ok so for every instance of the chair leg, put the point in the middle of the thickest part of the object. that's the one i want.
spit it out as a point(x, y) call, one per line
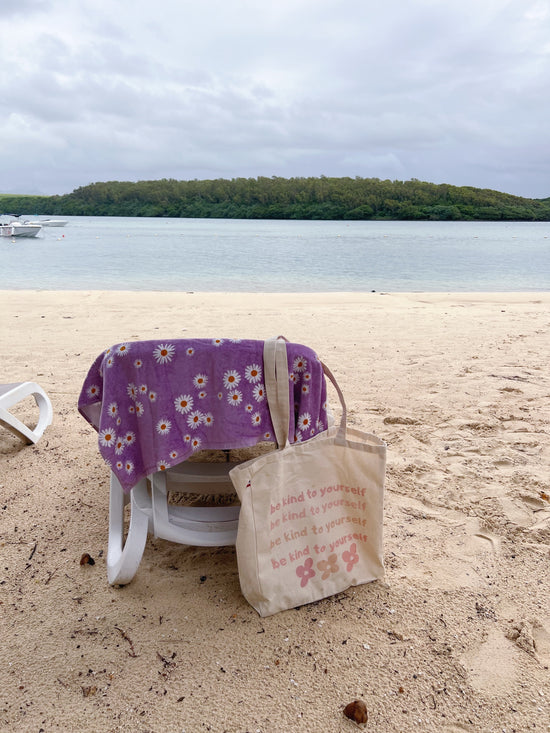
point(14, 395)
point(123, 559)
point(159, 501)
point(16, 427)
point(45, 411)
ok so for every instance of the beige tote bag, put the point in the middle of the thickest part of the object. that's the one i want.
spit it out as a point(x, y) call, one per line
point(311, 518)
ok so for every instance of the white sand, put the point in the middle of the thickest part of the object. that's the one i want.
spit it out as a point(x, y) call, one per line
point(456, 639)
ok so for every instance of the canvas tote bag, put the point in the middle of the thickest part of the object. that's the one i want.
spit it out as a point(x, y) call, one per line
point(311, 517)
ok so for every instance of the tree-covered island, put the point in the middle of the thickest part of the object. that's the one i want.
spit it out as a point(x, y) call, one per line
point(284, 198)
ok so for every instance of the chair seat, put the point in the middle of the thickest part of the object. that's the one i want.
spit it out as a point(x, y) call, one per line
point(201, 477)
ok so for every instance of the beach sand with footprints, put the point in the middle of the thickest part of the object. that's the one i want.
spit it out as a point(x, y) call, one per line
point(455, 638)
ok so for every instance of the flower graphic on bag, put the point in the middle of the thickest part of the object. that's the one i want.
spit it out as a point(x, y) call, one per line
point(328, 566)
point(351, 557)
point(305, 572)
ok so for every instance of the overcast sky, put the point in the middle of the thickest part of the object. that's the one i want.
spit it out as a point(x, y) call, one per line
point(448, 91)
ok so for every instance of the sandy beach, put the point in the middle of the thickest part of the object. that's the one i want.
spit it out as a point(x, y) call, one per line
point(457, 636)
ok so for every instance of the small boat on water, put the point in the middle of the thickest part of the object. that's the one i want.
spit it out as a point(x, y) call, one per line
point(19, 229)
point(50, 222)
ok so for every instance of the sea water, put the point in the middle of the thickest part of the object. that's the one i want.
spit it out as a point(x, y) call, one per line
point(124, 253)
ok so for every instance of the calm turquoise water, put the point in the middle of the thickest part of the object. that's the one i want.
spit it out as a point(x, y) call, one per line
point(279, 256)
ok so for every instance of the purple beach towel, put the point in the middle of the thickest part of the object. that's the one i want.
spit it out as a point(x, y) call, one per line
point(155, 403)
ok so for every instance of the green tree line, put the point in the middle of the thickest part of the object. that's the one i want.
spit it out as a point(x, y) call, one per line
point(284, 198)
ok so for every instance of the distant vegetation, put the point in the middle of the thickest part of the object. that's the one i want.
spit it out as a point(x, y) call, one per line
point(284, 198)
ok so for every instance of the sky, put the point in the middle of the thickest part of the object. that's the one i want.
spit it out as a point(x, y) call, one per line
point(446, 91)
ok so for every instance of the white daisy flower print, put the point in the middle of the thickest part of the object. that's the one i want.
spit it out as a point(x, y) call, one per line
point(200, 381)
point(208, 419)
point(113, 409)
point(304, 421)
point(231, 379)
point(256, 419)
point(107, 438)
point(292, 377)
point(190, 351)
point(195, 419)
point(132, 391)
point(195, 443)
point(305, 388)
point(174, 455)
point(217, 342)
point(183, 403)
point(138, 363)
point(93, 391)
point(152, 396)
point(139, 409)
point(129, 466)
point(235, 397)
point(253, 373)
point(130, 438)
point(299, 364)
point(259, 393)
point(249, 408)
point(110, 361)
point(267, 435)
point(164, 353)
point(187, 439)
point(143, 389)
point(119, 465)
point(202, 395)
point(307, 377)
point(122, 349)
point(163, 427)
point(163, 465)
point(119, 421)
point(120, 445)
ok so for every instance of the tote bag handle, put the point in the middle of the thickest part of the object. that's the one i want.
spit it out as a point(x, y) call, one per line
point(277, 390)
point(276, 387)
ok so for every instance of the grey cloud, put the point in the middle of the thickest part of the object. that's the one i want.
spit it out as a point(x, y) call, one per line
point(453, 92)
point(21, 7)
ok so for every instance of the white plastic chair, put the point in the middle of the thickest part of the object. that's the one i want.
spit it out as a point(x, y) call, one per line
point(10, 395)
point(146, 509)
point(150, 511)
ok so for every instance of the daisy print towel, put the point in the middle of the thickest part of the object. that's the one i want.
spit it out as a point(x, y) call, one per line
point(154, 403)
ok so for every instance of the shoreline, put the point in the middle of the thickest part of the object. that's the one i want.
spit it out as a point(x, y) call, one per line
point(457, 636)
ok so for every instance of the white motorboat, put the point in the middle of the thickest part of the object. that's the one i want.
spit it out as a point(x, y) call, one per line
point(50, 222)
point(19, 229)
